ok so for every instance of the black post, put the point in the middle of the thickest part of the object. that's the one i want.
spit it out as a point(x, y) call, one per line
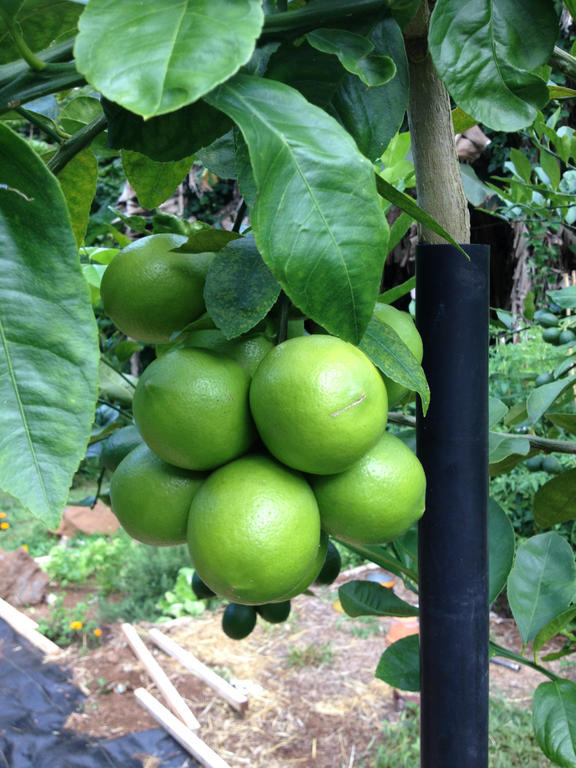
point(452, 306)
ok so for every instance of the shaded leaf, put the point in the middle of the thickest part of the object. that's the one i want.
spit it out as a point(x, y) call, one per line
point(485, 51)
point(399, 665)
point(555, 501)
point(554, 717)
point(240, 290)
point(168, 137)
point(196, 46)
point(78, 181)
point(501, 445)
point(564, 297)
point(207, 241)
point(566, 421)
point(48, 337)
point(367, 598)
point(153, 182)
point(501, 543)
point(41, 22)
point(496, 411)
point(115, 386)
point(389, 297)
point(219, 157)
point(461, 121)
point(542, 582)
point(391, 355)
point(303, 187)
point(355, 53)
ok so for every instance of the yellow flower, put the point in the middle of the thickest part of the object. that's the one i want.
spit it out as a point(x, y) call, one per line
point(2, 515)
point(25, 547)
point(75, 625)
point(98, 632)
point(4, 526)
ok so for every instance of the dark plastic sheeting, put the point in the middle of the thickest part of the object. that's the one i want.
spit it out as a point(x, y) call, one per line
point(35, 701)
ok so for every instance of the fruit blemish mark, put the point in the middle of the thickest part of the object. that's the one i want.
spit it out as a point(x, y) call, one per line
point(350, 405)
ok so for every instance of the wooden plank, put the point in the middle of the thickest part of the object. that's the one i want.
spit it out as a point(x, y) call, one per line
point(160, 678)
point(26, 627)
point(184, 736)
point(232, 695)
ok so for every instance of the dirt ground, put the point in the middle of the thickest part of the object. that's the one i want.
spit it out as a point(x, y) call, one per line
point(313, 697)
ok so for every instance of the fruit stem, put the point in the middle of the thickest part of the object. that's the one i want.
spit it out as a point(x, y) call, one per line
point(25, 52)
point(75, 144)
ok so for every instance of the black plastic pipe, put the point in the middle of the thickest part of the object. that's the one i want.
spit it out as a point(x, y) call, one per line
point(452, 310)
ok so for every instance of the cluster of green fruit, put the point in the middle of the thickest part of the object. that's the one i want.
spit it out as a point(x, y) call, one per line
point(253, 461)
point(552, 331)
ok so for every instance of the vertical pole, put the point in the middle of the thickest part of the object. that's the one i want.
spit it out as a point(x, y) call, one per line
point(452, 304)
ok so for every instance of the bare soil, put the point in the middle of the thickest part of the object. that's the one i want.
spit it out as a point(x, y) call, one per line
point(313, 697)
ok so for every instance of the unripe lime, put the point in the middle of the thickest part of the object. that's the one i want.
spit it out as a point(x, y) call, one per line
point(238, 620)
point(274, 613)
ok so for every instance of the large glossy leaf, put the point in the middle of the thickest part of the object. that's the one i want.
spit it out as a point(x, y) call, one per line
point(541, 398)
point(367, 598)
point(555, 501)
point(153, 182)
point(371, 115)
point(41, 22)
point(48, 338)
point(240, 289)
point(167, 137)
point(163, 56)
point(542, 582)
point(318, 221)
point(554, 716)
point(78, 180)
point(391, 355)
point(399, 665)
point(486, 50)
point(501, 544)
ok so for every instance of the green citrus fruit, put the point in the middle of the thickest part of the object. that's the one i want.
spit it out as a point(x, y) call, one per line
point(375, 500)
point(274, 613)
point(238, 620)
point(546, 318)
point(404, 325)
point(318, 402)
point(150, 292)
point(551, 335)
point(151, 499)
point(201, 590)
point(254, 530)
point(567, 337)
point(119, 445)
point(191, 407)
point(313, 570)
point(552, 465)
point(544, 378)
point(534, 463)
point(331, 567)
point(247, 350)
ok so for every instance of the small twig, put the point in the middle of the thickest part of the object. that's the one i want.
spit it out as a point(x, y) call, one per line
point(241, 212)
point(75, 144)
point(115, 408)
point(98, 487)
point(42, 124)
point(123, 375)
point(284, 306)
point(16, 34)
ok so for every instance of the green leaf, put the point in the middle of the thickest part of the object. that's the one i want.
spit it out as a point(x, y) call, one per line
point(485, 51)
point(552, 629)
point(219, 157)
point(367, 598)
point(389, 297)
point(410, 206)
point(316, 208)
point(475, 189)
point(502, 445)
point(240, 290)
point(207, 241)
point(167, 137)
point(153, 182)
point(48, 337)
point(522, 165)
point(529, 306)
point(399, 665)
point(371, 115)
point(551, 168)
point(461, 121)
point(355, 53)
point(391, 355)
point(41, 22)
point(541, 398)
point(78, 181)
point(501, 542)
point(555, 501)
point(399, 228)
point(196, 45)
point(566, 421)
point(542, 582)
point(554, 717)
point(496, 411)
point(564, 297)
point(115, 386)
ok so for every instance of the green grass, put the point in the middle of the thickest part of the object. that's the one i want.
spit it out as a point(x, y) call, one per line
point(311, 656)
point(512, 743)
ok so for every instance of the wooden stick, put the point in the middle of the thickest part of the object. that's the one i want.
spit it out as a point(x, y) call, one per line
point(184, 736)
point(26, 627)
point(168, 691)
point(232, 695)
